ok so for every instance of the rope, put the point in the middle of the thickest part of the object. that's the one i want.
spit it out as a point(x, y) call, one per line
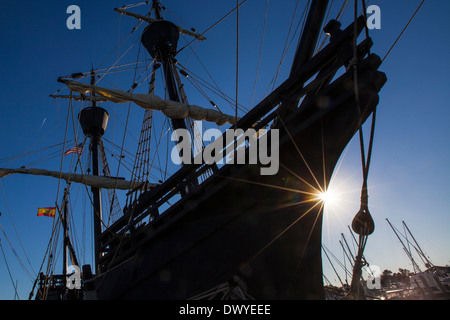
point(326, 35)
point(237, 59)
point(27, 153)
point(15, 228)
point(60, 172)
point(7, 267)
point(286, 45)
point(363, 213)
point(332, 265)
point(197, 81)
point(215, 24)
point(141, 172)
point(365, 162)
point(260, 52)
point(404, 29)
point(16, 255)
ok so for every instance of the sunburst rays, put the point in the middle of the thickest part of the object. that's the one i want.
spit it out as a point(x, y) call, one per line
point(309, 201)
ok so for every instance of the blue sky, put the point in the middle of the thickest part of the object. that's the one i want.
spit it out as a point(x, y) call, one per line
point(409, 174)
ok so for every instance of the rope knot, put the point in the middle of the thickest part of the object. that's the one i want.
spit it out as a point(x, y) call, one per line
point(364, 197)
point(353, 62)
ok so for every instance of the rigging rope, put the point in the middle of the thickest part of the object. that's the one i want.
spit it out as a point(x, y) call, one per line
point(286, 45)
point(16, 255)
point(27, 153)
point(114, 205)
point(215, 24)
point(197, 81)
point(362, 223)
point(260, 51)
point(237, 60)
point(7, 267)
point(15, 228)
point(404, 29)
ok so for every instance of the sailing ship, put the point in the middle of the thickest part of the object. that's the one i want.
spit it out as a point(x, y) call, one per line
point(210, 229)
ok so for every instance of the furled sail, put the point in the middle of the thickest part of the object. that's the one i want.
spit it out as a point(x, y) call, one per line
point(90, 180)
point(171, 109)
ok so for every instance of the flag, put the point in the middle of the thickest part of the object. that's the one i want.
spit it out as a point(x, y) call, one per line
point(48, 212)
point(77, 149)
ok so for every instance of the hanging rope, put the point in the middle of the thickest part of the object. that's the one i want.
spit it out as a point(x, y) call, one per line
point(362, 223)
point(237, 59)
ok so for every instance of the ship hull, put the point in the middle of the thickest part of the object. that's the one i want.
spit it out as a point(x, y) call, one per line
point(263, 231)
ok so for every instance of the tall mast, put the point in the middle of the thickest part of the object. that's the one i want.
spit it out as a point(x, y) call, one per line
point(96, 192)
point(160, 38)
point(93, 121)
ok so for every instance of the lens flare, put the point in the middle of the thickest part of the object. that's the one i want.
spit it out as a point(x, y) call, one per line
point(328, 197)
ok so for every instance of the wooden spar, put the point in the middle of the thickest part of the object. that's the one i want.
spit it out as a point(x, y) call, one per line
point(311, 32)
point(307, 43)
point(150, 20)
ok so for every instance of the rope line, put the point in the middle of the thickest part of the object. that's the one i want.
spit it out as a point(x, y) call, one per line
point(237, 60)
point(215, 24)
point(404, 29)
point(260, 52)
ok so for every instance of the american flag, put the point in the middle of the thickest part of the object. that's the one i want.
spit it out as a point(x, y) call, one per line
point(77, 149)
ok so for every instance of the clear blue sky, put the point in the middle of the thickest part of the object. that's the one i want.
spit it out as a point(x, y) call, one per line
point(409, 174)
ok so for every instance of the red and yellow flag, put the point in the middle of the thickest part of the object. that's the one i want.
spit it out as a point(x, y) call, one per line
point(48, 212)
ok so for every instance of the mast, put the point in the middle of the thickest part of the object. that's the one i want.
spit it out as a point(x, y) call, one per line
point(93, 121)
point(332, 265)
point(157, 8)
point(160, 38)
point(419, 249)
point(348, 248)
point(415, 266)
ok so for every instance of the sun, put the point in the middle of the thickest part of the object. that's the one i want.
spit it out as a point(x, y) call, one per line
point(327, 197)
